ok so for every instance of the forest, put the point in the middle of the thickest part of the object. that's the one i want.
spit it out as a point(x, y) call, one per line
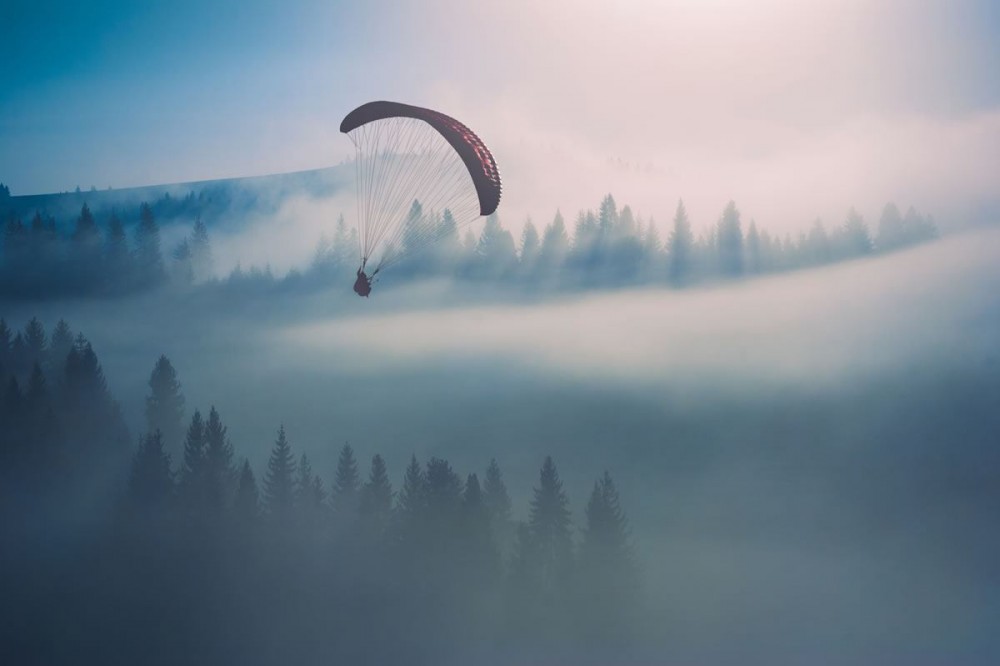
point(610, 247)
point(115, 551)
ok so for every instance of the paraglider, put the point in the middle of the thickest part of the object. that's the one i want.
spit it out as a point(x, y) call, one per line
point(405, 155)
point(363, 285)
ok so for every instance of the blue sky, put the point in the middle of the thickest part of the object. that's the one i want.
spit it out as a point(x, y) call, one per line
point(717, 98)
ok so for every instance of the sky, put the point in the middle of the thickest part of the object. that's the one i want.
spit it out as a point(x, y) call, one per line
point(794, 110)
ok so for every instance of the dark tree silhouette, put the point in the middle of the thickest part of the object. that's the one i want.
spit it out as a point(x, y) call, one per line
point(165, 404)
point(346, 483)
point(193, 473)
point(219, 471)
point(607, 578)
point(151, 484)
point(279, 484)
point(376, 498)
point(497, 503)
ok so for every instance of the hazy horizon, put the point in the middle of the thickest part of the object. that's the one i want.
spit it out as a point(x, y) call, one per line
point(794, 113)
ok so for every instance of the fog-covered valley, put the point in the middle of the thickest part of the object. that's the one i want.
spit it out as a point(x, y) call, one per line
point(808, 461)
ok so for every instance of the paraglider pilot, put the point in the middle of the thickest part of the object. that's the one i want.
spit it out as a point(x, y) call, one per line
point(363, 285)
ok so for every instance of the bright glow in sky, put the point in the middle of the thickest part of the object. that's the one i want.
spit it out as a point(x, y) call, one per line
point(795, 110)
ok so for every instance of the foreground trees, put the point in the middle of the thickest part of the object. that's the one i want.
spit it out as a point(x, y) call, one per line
point(165, 558)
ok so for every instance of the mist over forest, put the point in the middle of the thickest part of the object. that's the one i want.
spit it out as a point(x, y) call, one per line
point(409, 332)
point(793, 464)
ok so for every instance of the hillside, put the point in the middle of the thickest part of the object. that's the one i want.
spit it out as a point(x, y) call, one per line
point(208, 199)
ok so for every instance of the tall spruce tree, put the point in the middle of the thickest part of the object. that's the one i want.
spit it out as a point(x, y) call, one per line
point(555, 245)
point(530, 248)
point(376, 498)
point(411, 502)
point(59, 345)
point(35, 342)
point(497, 503)
point(309, 493)
point(857, 238)
point(165, 404)
point(193, 475)
point(219, 471)
point(346, 483)
point(607, 576)
point(279, 483)
point(680, 248)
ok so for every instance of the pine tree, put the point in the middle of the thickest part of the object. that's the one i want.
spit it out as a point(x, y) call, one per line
point(820, 251)
point(542, 566)
point(165, 404)
point(607, 219)
point(150, 482)
point(530, 248)
point(345, 246)
point(652, 251)
point(85, 390)
point(39, 422)
point(412, 499)
point(193, 472)
point(754, 262)
point(608, 580)
point(148, 257)
point(555, 244)
point(443, 497)
point(549, 523)
point(730, 241)
point(246, 506)
point(497, 503)
point(680, 248)
point(34, 341)
point(857, 239)
point(376, 498)
point(279, 483)
point(890, 228)
point(303, 482)
point(479, 551)
point(87, 246)
point(496, 254)
point(344, 495)
point(218, 463)
point(202, 261)
point(59, 345)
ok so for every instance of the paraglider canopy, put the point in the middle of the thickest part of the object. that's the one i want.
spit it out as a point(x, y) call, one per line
point(473, 152)
point(421, 175)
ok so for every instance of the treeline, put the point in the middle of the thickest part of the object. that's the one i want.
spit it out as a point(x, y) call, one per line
point(613, 247)
point(608, 247)
point(200, 558)
point(37, 262)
